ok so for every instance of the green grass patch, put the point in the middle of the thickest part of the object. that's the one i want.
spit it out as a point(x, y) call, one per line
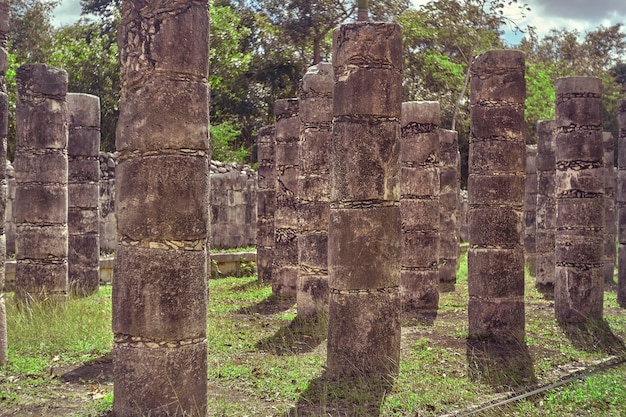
point(263, 360)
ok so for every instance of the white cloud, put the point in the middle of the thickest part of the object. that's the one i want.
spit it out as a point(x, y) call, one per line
point(66, 13)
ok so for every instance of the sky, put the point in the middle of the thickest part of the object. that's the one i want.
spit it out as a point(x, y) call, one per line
point(583, 15)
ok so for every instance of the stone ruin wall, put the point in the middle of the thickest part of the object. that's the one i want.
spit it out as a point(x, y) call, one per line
point(233, 205)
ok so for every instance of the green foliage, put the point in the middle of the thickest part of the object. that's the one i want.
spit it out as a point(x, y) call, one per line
point(223, 137)
point(540, 96)
point(90, 58)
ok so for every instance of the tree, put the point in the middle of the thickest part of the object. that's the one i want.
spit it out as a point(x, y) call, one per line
point(565, 53)
point(91, 60)
point(441, 39)
point(30, 31)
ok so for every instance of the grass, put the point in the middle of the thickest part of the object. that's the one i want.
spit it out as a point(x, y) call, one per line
point(264, 361)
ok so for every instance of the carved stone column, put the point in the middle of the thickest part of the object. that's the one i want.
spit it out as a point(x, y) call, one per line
point(266, 203)
point(316, 116)
point(419, 209)
point(40, 208)
point(364, 245)
point(579, 249)
point(285, 270)
point(162, 210)
point(83, 193)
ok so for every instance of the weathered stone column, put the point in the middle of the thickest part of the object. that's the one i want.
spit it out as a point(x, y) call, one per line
point(419, 209)
point(266, 203)
point(40, 209)
point(610, 217)
point(162, 209)
point(450, 204)
point(620, 197)
point(546, 207)
point(4, 112)
point(316, 117)
point(285, 270)
point(364, 237)
point(579, 185)
point(496, 198)
point(530, 210)
point(83, 193)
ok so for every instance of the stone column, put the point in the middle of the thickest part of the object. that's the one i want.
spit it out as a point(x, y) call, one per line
point(419, 209)
point(620, 197)
point(610, 217)
point(364, 236)
point(285, 270)
point(496, 198)
point(266, 203)
point(162, 209)
point(450, 203)
point(316, 117)
point(83, 193)
point(530, 210)
point(4, 112)
point(579, 185)
point(546, 207)
point(40, 209)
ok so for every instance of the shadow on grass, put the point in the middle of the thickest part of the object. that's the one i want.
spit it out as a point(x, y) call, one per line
point(300, 336)
point(271, 305)
point(331, 396)
point(500, 365)
point(594, 337)
point(98, 371)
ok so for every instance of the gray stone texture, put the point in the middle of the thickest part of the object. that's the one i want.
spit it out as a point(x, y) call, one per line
point(162, 209)
point(546, 206)
point(285, 269)
point(496, 198)
point(419, 208)
point(83, 193)
point(620, 197)
point(610, 213)
point(450, 208)
point(316, 116)
point(41, 196)
point(530, 210)
point(364, 238)
point(579, 187)
point(266, 202)
point(233, 205)
point(4, 112)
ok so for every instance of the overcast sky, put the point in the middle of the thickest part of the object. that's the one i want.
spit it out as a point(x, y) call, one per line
point(583, 15)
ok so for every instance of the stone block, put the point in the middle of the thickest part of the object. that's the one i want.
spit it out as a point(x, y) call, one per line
point(497, 227)
point(49, 167)
point(505, 189)
point(364, 248)
point(496, 273)
point(499, 319)
point(365, 338)
point(365, 169)
point(163, 198)
point(36, 203)
point(578, 294)
point(148, 291)
point(170, 370)
point(489, 157)
point(151, 118)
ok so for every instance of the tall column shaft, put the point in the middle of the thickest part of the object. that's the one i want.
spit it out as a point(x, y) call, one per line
point(579, 185)
point(620, 197)
point(496, 198)
point(546, 206)
point(40, 208)
point(83, 193)
point(530, 210)
point(450, 213)
point(4, 113)
point(285, 270)
point(266, 202)
point(419, 208)
point(364, 237)
point(162, 210)
point(316, 116)
point(610, 216)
